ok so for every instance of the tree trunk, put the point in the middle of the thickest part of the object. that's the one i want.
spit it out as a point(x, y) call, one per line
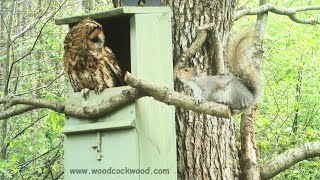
point(88, 5)
point(6, 80)
point(2, 43)
point(249, 151)
point(206, 145)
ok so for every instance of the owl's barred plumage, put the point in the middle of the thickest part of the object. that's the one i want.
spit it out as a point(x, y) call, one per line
point(88, 64)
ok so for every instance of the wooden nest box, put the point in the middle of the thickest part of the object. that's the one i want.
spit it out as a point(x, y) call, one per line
point(140, 135)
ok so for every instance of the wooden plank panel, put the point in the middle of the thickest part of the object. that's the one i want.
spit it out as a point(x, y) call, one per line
point(123, 118)
point(119, 149)
point(152, 61)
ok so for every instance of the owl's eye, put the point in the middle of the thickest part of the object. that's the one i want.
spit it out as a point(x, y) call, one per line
point(95, 40)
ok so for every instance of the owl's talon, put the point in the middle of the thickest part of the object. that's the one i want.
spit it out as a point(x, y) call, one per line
point(98, 90)
point(85, 93)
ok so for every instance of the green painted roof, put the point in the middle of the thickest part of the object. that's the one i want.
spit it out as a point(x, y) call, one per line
point(122, 11)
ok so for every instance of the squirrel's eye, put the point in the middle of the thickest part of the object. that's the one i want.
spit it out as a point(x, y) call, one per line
point(95, 40)
point(186, 70)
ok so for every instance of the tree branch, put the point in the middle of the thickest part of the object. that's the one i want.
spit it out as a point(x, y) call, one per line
point(25, 128)
point(142, 88)
point(290, 12)
point(26, 163)
point(86, 112)
point(16, 111)
point(202, 34)
point(249, 151)
point(195, 46)
point(218, 50)
point(41, 87)
point(175, 98)
point(287, 159)
point(31, 25)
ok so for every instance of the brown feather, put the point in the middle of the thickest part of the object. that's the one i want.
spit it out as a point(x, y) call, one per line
point(88, 63)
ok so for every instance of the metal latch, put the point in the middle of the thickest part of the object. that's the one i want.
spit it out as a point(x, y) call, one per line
point(97, 146)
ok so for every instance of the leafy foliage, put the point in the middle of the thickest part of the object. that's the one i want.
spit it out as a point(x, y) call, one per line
point(34, 139)
point(290, 105)
point(289, 109)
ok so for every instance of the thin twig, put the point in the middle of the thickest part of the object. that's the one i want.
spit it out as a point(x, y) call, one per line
point(290, 12)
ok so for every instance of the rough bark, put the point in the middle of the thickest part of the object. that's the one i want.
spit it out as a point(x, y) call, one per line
point(206, 146)
point(288, 158)
point(249, 151)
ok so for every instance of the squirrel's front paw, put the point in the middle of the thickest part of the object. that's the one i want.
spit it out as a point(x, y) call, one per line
point(197, 101)
point(221, 102)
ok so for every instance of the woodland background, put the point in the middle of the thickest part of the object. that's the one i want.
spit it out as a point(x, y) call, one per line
point(31, 48)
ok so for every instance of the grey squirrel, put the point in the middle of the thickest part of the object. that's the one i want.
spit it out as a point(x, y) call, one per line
point(242, 87)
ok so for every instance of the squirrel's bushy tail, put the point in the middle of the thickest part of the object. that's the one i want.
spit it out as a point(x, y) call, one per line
point(244, 54)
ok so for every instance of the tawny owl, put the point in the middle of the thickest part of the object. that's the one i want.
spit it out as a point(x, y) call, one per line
point(88, 63)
